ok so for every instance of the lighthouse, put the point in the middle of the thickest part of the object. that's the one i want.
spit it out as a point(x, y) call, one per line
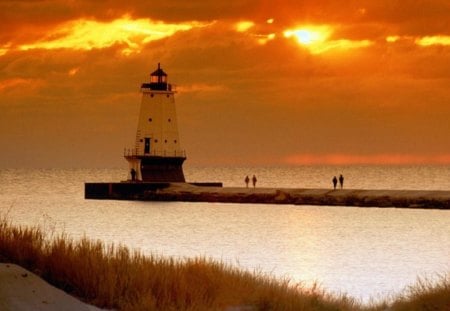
point(157, 155)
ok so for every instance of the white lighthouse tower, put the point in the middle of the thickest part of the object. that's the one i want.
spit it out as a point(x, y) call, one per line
point(157, 155)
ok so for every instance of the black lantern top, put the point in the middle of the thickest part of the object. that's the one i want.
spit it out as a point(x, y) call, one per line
point(158, 81)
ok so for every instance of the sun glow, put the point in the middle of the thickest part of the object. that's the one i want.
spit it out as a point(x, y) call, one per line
point(85, 34)
point(310, 34)
point(316, 39)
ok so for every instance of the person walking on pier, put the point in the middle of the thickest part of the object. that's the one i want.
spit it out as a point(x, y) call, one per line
point(334, 182)
point(254, 181)
point(341, 181)
point(247, 180)
point(133, 174)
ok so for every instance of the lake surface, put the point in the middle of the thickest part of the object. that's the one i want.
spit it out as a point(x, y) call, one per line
point(365, 252)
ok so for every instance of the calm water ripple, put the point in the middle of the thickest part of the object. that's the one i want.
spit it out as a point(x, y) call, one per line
point(361, 251)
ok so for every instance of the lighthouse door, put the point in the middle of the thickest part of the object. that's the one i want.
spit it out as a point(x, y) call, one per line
point(147, 145)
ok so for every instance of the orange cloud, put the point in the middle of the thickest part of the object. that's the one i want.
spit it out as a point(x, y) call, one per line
point(239, 99)
point(200, 87)
point(425, 41)
point(73, 71)
point(392, 39)
point(261, 35)
point(83, 34)
point(15, 83)
point(244, 26)
point(433, 40)
point(4, 49)
point(263, 39)
point(374, 159)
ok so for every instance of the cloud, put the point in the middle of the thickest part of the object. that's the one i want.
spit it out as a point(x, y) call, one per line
point(372, 159)
point(433, 40)
point(244, 96)
point(86, 34)
point(12, 83)
point(200, 87)
point(17, 85)
point(244, 26)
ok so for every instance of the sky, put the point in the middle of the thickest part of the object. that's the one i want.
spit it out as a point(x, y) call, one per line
point(284, 82)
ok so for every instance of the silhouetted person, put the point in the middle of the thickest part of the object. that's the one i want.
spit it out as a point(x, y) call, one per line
point(247, 180)
point(254, 181)
point(341, 181)
point(133, 174)
point(334, 182)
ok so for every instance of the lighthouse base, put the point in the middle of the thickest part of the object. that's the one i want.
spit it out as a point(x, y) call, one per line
point(159, 169)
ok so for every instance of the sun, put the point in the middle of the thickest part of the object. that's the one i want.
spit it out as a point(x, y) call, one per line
point(306, 37)
point(309, 35)
point(317, 39)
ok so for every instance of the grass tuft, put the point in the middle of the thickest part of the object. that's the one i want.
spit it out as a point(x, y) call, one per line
point(115, 277)
point(425, 295)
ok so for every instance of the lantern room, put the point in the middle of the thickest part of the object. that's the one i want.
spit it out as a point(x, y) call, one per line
point(158, 81)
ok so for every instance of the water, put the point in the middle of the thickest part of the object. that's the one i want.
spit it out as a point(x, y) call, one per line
point(360, 251)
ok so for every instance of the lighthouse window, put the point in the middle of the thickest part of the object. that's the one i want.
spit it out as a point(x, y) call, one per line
point(165, 141)
point(147, 145)
point(175, 141)
point(150, 120)
point(169, 120)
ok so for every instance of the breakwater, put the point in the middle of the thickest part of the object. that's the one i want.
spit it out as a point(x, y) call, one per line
point(213, 192)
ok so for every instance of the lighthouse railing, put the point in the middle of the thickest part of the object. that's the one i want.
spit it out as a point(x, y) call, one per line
point(155, 153)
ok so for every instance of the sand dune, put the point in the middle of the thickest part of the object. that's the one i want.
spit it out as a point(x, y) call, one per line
point(22, 290)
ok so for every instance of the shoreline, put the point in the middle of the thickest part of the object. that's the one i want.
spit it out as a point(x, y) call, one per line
point(185, 192)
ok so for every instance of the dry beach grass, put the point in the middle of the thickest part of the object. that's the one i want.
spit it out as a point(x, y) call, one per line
point(115, 277)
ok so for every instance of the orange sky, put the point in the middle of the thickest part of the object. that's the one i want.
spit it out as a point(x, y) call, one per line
point(259, 82)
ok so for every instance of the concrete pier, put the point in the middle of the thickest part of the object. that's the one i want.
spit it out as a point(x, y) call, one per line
point(213, 192)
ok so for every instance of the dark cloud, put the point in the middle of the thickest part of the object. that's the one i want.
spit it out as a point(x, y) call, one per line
point(422, 16)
